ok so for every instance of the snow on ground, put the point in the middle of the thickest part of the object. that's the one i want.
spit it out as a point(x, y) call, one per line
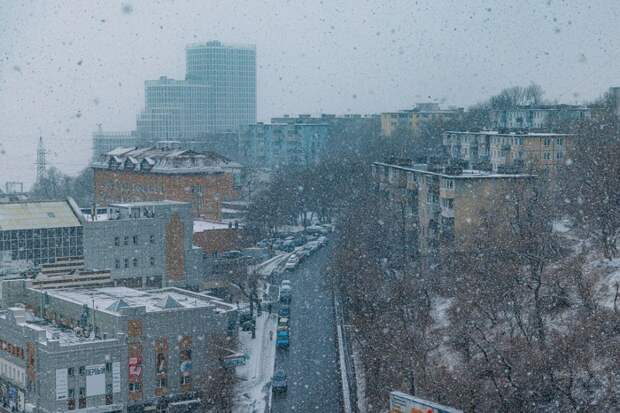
point(202, 225)
point(360, 378)
point(254, 388)
point(606, 285)
point(439, 311)
point(265, 268)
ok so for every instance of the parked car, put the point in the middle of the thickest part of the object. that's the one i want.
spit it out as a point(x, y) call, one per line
point(279, 383)
point(323, 240)
point(284, 283)
point(292, 262)
point(284, 311)
point(282, 321)
point(282, 339)
point(232, 254)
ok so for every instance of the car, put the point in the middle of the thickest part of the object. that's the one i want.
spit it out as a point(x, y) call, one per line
point(232, 254)
point(285, 283)
point(283, 321)
point(292, 262)
point(322, 240)
point(284, 311)
point(279, 383)
point(282, 339)
point(285, 295)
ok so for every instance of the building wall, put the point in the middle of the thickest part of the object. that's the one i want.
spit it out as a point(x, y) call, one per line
point(219, 240)
point(204, 192)
point(143, 245)
point(274, 145)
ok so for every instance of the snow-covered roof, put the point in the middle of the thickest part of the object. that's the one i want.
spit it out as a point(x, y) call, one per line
point(36, 215)
point(113, 299)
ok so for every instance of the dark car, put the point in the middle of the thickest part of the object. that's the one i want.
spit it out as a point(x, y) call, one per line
point(279, 384)
point(284, 311)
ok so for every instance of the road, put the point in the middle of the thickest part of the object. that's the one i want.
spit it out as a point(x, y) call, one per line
point(311, 362)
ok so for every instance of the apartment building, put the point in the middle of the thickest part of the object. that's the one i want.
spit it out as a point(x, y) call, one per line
point(497, 151)
point(444, 203)
point(539, 117)
point(167, 172)
point(106, 350)
point(413, 118)
point(282, 144)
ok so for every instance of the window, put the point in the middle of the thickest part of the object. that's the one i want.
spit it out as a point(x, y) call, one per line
point(117, 241)
point(135, 240)
point(117, 263)
point(152, 239)
point(135, 262)
point(71, 393)
point(82, 372)
point(152, 261)
point(547, 141)
point(108, 367)
point(559, 155)
point(70, 370)
point(126, 241)
point(547, 156)
point(134, 387)
point(82, 391)
point(186, 379)
point(126, 262)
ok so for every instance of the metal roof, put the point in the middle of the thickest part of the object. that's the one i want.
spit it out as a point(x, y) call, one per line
point(36, 215)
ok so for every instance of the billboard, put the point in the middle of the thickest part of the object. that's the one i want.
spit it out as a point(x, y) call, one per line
point(61, 384)
point(405, 403)
point(95, 380)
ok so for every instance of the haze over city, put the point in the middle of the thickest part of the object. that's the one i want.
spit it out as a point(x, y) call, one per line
point(332, 57)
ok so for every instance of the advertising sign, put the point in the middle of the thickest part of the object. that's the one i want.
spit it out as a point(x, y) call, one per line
point(116, 377)
point(405, 403)
point(61, 384)
point(95, 380)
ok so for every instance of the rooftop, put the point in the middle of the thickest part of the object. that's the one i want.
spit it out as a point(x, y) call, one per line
point(512, 134)
point(112, 299)
point(65, 336)
point(37, 215)
point(465, 174)
point(165, 157)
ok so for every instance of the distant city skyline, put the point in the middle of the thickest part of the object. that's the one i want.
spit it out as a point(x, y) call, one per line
point(66, 67)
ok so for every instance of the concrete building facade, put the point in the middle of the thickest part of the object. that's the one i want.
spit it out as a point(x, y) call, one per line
point(143, 244)
point(411, 119)
point(444, 203)
point(539, 118)
point(284, 144)
point(515, 149)
point(106, 350)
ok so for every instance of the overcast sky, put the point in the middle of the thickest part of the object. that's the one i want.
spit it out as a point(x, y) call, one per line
point(67, 66)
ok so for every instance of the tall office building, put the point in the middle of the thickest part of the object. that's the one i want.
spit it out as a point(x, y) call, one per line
point(230, 72)
point(174, 110)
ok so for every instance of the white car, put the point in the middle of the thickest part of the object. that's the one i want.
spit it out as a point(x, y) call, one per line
point(292, 262)
point(286, 284)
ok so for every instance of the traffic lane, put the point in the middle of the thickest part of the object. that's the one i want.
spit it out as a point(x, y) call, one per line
point(311, 362)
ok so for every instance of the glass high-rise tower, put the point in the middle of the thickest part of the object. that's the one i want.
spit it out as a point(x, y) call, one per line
point(230, 72)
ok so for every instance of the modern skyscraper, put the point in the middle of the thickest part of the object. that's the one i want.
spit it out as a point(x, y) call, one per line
point(230, 72)
point(174, 110)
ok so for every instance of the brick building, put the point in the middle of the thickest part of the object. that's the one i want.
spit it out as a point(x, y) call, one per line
point(166, 172)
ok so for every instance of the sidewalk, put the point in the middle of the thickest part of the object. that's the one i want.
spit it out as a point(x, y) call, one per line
point(253, 389)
